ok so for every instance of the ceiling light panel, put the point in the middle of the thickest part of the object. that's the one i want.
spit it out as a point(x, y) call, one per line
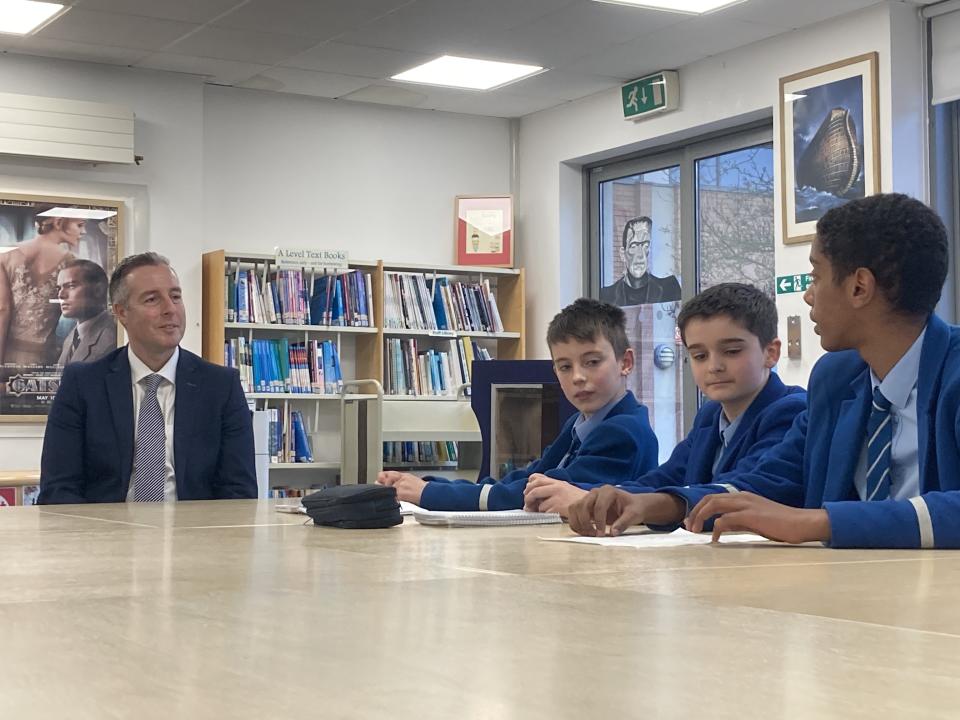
point(467, 73)
point(20, 17)
point(689, 7)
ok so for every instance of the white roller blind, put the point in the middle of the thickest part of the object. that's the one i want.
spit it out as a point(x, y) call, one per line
point(945, 70)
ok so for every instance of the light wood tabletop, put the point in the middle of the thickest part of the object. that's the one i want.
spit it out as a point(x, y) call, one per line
point(231, 609)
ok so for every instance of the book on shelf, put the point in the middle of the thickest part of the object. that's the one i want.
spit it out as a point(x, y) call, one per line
point(411, 371)
point(282, 366)
point(414, 302)
point(288, 439)
point(438, 452)
point(265, 296)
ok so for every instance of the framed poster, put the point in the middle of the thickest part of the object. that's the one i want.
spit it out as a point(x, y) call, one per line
point(484, 230)
point(829, 141)
point(56, 256)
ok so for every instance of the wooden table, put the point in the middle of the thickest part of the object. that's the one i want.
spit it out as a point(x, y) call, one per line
point(232, 610)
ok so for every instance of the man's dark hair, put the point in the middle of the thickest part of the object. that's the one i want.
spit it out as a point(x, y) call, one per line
point(899, 239)
point(749, 307)
point(119, 295)
point(630, 228)
point(94, 278)
point(586, 320)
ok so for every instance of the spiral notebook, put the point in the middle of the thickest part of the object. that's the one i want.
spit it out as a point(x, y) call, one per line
point(486, 518)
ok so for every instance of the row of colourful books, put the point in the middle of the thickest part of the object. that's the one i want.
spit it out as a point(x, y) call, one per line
point(410, 371)
point(281, 366)
point(414, 302)
point(284, 297)
point(288, 440)
point(419, 453)
point(343, 300)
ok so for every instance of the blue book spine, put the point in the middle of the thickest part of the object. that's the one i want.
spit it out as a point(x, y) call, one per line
point(301, 445)
point(337, 303)
point(329, 371)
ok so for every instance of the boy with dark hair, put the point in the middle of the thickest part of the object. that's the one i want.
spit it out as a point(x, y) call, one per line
point(730, 332)
point(610, 438)
point(875, 459)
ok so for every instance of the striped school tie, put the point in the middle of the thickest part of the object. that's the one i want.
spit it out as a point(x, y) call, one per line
point(150, 459)
point(879, 445)
point(572, 452)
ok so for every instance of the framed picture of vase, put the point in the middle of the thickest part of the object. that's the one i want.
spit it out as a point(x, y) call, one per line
point(483, 230)
point(829, 141)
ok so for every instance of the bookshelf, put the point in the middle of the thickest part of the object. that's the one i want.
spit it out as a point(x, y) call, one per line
point(439, 418)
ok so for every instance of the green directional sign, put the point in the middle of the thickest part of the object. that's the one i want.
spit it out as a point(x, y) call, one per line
point(651, 94)
point(793, 283)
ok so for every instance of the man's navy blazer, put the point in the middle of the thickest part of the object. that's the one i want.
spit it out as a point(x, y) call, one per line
point(88, 446)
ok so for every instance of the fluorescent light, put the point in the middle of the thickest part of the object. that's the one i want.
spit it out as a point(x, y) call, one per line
point(792, 97)
point(459, 72)
point(80, 213)
point(691, 7)
point(19, 17)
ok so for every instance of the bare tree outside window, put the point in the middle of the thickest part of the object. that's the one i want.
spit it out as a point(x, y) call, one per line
point(735, 218)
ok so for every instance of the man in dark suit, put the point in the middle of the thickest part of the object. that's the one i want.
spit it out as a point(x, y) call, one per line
point(638, 286)
point(150, 421)
point(82, 291)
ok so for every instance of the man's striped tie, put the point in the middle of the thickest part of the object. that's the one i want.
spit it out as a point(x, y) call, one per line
point(879, 444)
point(149, 463)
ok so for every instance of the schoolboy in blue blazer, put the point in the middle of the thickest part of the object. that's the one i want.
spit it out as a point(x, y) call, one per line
point(875, 459)
point(191, 437)
point(730, 331)
point(610, 438)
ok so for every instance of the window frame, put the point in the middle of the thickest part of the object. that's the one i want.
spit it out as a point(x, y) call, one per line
point(685, 155)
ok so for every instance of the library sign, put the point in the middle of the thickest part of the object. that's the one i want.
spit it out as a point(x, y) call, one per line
point(310, 259)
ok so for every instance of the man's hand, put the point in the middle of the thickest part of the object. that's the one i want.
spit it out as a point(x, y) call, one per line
point(546, 494)
point(746, 512)
point(409, 487)
point(608, 506)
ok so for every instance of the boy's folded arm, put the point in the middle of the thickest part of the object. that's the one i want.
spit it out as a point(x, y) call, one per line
point(772, 469)
point(614, 452)
point(669, 474)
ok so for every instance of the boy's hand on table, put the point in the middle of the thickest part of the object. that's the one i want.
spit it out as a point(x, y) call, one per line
point(747, 512)
point(409, 487)
point(546, 494)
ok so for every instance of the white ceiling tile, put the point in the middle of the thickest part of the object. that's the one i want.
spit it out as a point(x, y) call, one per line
point(305, 82)
point(192, 11)
point(561, 85)
point(674, 47)
point(501, 104)
point(307, 18)
point(450, 26)
point(67, 50)
point(791, 14)
point(240, 46)
point(387, 95)
point(103, 28)
point(221, 72)
point(356, 60)
point(564, 36)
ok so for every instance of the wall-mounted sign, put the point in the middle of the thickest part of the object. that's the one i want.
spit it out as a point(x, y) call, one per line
point(651, 95)
point(310, 259)
point(793, 283)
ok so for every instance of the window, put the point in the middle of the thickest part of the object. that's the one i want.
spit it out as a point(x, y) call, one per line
point(665, 226)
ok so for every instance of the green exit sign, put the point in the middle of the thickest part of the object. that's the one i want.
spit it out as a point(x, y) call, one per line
point(649, 95)
point(793, 283)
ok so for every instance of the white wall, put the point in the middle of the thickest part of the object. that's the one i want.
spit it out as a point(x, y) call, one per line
point(719, 92)
point(377, 180)
point(248, 170)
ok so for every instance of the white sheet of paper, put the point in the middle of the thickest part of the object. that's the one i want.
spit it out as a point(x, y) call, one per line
point(652, 540)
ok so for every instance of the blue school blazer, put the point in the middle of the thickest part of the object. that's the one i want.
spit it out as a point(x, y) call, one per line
point(814, 465)
point(622, 446)
point(764, 424)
